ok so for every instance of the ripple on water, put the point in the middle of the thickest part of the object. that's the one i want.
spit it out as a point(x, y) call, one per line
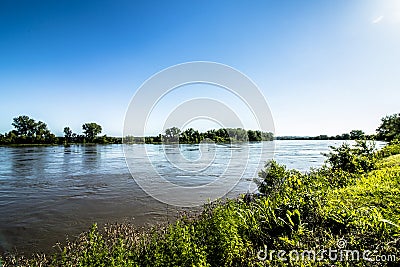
point(49, 192)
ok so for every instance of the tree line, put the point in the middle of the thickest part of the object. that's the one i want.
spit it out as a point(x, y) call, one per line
point(192, 136)
point(353, 135)
point(388, 130)
point(28, 131)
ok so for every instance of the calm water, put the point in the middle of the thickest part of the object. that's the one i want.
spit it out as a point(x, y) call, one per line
point(47, 193)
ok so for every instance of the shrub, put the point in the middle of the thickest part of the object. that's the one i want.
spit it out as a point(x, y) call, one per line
point(393, 148)
point(272, 177)
point(360, 158)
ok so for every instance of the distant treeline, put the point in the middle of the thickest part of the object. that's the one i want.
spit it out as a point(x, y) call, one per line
point(28, 131)
point(353, 135)
point(192, 136)
point(388, 130)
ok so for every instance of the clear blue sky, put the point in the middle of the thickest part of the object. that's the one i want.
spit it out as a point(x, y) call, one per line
point(325, 67)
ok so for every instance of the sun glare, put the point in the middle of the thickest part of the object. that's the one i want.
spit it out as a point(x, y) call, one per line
point(386, 12)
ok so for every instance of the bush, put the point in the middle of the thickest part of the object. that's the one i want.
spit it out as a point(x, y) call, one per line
point(393, 148)
point(272, 177)
point(358, 159)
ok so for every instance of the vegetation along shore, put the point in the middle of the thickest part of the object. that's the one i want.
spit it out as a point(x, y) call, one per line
point(345, 213)
point(27, 131)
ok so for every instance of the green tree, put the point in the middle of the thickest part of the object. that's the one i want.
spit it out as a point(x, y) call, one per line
point(11, 137)
point(24, 126)
point(389, 128)
point(254, 135)
point(67, 134)
point(237, 134)
point(27, 130)
point(190, 136)
point(172, 134)
point(41, 132)
point(267, 136)
point(221, 135)
point(91, 130)
point(357, 135)
point(210, 134)
point(345, 136)
point(241, 135)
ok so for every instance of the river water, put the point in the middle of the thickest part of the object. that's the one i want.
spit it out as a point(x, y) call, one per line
point(50, 192)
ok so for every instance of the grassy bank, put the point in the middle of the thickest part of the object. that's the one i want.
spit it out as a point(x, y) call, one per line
point(349, 207)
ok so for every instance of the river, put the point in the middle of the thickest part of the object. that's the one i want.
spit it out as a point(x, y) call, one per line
point(50, 192)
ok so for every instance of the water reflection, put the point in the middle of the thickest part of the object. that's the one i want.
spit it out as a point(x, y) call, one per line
point(90, 157)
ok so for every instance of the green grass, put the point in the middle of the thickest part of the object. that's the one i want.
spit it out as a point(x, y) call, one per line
point(303, 212)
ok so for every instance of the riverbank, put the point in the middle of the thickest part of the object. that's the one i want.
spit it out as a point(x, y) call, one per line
point(49, 193)
point(324, 210)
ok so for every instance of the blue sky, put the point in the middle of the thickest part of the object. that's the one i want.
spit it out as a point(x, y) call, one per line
point(325, 67)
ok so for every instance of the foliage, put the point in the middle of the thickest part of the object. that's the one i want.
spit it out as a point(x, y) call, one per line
point(389, 128)
point(353, 135)
point(392, 148)
point(357, 135)
point(67, 134)
point(28, 131)
point(272, 177)
point(192, 136)
point(91, 130)
point(358, 159)
point(172, 134)
point(24, 126)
